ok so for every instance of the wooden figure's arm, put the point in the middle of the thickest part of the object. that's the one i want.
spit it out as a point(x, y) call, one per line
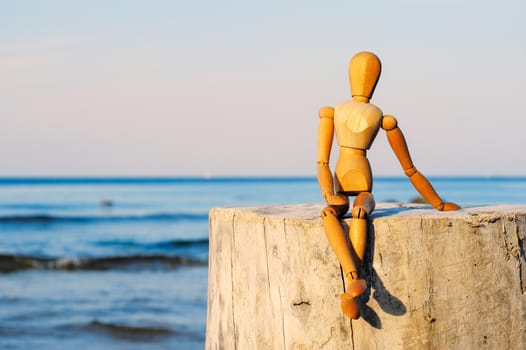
point(421, 184)
point(325, 137)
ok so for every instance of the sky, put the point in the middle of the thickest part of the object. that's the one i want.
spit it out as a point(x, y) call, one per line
point(232, 88)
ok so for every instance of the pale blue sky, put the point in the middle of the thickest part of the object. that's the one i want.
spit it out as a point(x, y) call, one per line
point(177, 88)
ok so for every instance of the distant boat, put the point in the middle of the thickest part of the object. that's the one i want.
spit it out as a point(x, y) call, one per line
point(106, 203)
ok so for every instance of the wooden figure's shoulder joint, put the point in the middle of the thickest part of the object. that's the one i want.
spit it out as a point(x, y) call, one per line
point(326, 112)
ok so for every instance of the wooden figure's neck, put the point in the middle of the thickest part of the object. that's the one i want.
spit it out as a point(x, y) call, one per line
point(361, 99)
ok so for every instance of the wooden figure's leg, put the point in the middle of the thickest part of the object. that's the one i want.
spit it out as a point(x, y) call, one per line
point(340, 245)
point(362, 206)
point(349, 256)
point(336, 235)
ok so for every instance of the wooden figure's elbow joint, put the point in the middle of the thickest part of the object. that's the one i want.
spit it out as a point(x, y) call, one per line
point(389, 123)
point(410, 171)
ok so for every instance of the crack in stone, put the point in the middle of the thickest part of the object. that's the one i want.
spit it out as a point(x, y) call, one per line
point(232, 279)
point(520, 256)
point(303, 302)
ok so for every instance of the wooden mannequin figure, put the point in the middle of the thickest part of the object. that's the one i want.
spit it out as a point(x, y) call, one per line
point(356, 123)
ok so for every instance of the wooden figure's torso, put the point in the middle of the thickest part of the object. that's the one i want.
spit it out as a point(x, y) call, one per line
point(356, 125)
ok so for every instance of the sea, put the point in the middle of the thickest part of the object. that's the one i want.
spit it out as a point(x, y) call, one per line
point(121, 263)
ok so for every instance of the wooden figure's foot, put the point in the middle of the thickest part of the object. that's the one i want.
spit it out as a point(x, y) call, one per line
point(349, 306)
point(348, 303)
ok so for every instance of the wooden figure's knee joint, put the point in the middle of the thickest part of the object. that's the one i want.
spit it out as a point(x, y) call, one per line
point(328, 211)
point(359, 213)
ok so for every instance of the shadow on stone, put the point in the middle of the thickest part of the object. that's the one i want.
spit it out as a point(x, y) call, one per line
point(387, 302)
point(391, 211)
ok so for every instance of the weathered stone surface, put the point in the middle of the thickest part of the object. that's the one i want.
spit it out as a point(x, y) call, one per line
point(437, 280)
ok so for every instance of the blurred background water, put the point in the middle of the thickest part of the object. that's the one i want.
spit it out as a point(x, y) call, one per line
point(121, 263)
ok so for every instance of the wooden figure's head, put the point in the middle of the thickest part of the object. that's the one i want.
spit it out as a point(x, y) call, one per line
point(364, 72)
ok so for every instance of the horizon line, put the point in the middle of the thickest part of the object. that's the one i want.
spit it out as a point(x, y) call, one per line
point(168, 178)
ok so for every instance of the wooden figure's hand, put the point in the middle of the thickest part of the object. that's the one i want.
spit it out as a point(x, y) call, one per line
point(339, 202)
point(449, 206)
point(337, 199)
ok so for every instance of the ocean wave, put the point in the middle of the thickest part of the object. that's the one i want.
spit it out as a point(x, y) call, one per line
point(139, 332)
point(12, 263)
point(40, 206)
point(128, 330)
point(46, 218)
